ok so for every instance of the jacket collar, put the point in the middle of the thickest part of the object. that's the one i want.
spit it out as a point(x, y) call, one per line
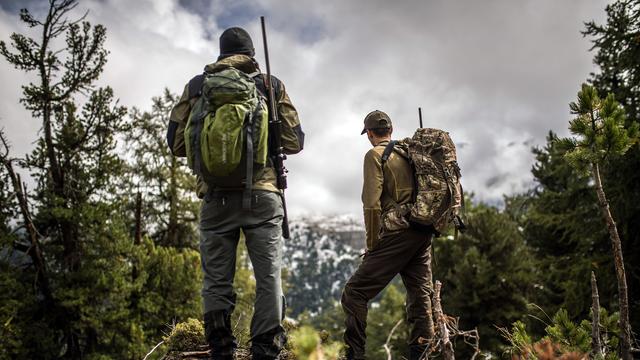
point(241, 62)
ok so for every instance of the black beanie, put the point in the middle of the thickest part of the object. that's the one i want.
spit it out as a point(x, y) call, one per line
point(236, 40)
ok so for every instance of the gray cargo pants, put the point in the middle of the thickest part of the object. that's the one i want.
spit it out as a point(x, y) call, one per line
point(221, 218)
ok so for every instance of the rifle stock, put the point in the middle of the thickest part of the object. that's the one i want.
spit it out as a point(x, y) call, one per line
point(275, 133)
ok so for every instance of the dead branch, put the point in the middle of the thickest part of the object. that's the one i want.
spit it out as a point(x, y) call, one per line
point(447, 347)
point(35, 249)
point(152, 350)
point(386, 345)
point(596, 347)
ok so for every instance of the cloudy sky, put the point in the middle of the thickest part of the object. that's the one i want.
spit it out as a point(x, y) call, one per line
point(496, 74)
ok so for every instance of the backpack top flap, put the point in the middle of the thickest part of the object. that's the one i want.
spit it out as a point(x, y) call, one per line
point(228, 86)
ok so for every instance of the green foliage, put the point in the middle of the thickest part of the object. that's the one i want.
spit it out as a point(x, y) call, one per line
point(557, 219)
point(14, 330)
point(329, 320)
point(170, 207)
point(165, 290)
point(617, 48)
point(487, 274)
point(307, 343)
point(571, 336)
point(383, 316)
point(599, 130)
point(567, 335)
point(109, 298)
point(518, 338)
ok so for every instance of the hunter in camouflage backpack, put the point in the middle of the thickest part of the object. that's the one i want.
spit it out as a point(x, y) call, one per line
point(438, 196)
point(397, 244)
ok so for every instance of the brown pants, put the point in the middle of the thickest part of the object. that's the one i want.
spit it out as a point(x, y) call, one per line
point(407, 253)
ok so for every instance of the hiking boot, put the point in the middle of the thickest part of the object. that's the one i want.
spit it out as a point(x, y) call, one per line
point(219, 336)
point(267, 346)
point(417, 352)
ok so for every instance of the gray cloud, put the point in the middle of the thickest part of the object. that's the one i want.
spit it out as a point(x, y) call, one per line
point(491, 73)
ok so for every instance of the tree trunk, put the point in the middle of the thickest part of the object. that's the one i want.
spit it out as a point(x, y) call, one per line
point(596, 347)
point(625, 328)
point(172, 228)
point(138, 234)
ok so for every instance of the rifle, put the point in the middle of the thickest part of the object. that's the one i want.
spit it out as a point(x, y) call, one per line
point(275, 134)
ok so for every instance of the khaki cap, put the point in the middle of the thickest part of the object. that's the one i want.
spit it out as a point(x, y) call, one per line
point(376, 120)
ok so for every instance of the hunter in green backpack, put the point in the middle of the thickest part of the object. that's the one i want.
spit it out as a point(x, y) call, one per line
point(221, 125)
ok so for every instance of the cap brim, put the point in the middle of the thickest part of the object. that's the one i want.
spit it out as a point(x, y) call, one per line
point(363, 131)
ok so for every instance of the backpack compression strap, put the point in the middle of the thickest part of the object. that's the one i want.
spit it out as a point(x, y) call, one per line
point(251, 118)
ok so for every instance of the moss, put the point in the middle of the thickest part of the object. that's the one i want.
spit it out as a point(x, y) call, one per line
point(185, 336)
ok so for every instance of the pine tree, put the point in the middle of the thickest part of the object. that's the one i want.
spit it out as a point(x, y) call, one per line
point(556, 219)
point(600, 133)
point(618, 49)
point(80, 230)
point(169, 205)
point(319, 265)
point(487, 273)
point(616, 44)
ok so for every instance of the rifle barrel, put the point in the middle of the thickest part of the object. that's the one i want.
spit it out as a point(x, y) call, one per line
point(275, 133)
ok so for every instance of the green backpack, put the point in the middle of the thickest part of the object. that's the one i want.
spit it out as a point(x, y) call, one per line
point(226, 136)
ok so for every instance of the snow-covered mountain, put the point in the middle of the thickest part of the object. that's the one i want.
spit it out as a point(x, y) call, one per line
point(346, 228)
point(320, 255)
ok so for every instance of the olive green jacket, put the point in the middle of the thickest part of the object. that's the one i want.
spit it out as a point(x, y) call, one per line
point(383, 189)
point(292, 135)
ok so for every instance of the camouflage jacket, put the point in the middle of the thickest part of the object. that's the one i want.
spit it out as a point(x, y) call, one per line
point(383, 189)
point(292, 135)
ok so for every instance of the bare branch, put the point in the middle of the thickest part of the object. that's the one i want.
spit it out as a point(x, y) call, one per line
point(386, 345)
point(152, 350)
point(35, 249)
point(596, 347)
point(447, 347)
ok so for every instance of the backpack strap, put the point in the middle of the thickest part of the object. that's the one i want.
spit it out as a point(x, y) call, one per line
point(387, 151)
point(248, 186)
point(260, 78)
point(385, 156)
point(195, 86)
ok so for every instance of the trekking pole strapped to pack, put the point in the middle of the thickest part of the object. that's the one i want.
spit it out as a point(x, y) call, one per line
point(275, 134)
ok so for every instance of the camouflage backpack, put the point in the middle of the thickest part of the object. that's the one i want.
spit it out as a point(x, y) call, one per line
point(226, 133)
point(437, 195)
